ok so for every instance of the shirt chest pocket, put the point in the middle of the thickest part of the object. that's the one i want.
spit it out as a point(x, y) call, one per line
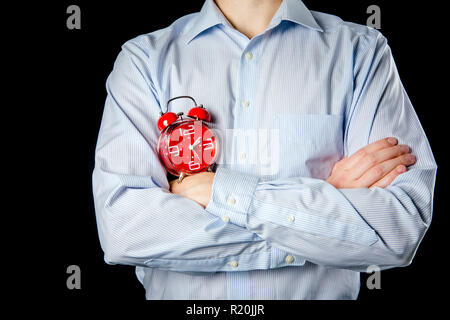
point(310, 144)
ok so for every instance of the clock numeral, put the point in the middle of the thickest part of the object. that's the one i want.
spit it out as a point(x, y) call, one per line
point(174, 150)
point(194, 166)
point(209, 145)
point(187, 132)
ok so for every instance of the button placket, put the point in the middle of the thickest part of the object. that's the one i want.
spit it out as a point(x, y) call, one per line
point(247, 82)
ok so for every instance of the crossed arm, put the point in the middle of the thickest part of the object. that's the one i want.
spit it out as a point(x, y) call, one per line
point(375, 165)
point(365, 213)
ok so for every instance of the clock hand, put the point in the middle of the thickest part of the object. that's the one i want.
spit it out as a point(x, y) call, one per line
point(195, 153)
point(199, 139)
point(192, 147)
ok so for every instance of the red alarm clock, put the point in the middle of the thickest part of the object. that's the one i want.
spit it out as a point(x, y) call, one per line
point(186, 146)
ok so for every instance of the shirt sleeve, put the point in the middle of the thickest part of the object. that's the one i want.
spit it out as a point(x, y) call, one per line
point(140, 222)
point(345, 228)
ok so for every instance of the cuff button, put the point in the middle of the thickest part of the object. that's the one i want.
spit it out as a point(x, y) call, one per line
point(231, 201)
point(289, 259)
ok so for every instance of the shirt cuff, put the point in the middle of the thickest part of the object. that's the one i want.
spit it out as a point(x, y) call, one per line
point(264, 260)
point(232, 194)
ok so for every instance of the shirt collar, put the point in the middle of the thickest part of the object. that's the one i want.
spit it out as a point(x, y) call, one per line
point(292, 10)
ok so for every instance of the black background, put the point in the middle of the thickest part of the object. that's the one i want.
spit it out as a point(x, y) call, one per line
point(71, 70)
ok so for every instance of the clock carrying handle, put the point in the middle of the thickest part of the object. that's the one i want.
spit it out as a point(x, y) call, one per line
point(180, 97)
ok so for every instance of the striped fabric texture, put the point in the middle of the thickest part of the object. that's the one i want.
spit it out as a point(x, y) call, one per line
point(286, 105)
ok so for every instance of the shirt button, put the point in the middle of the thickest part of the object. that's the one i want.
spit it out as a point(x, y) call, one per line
point(249, 56)
point(291, 218)
point(234, 264)
point(242, 155)
point(245, 103)
point(226, 219)
point(231, 201)
point(289, 259)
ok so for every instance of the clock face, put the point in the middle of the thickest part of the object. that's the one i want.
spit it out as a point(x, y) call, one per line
point(187, 146)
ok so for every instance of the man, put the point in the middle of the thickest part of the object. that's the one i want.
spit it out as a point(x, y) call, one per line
point(345, 194)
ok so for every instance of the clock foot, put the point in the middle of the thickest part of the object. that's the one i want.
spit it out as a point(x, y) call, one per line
point(181, 177)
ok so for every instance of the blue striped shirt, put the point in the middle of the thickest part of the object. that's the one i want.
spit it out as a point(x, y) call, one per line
point(286, 105)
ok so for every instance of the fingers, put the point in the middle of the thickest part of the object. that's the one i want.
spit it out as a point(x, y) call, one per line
point(372, 159)
point(369, 149)
point(382, 169)
point(376, 165)
point(389, 178)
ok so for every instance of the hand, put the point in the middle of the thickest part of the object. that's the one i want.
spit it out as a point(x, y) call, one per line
point(375, 165)
point(197, 187)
